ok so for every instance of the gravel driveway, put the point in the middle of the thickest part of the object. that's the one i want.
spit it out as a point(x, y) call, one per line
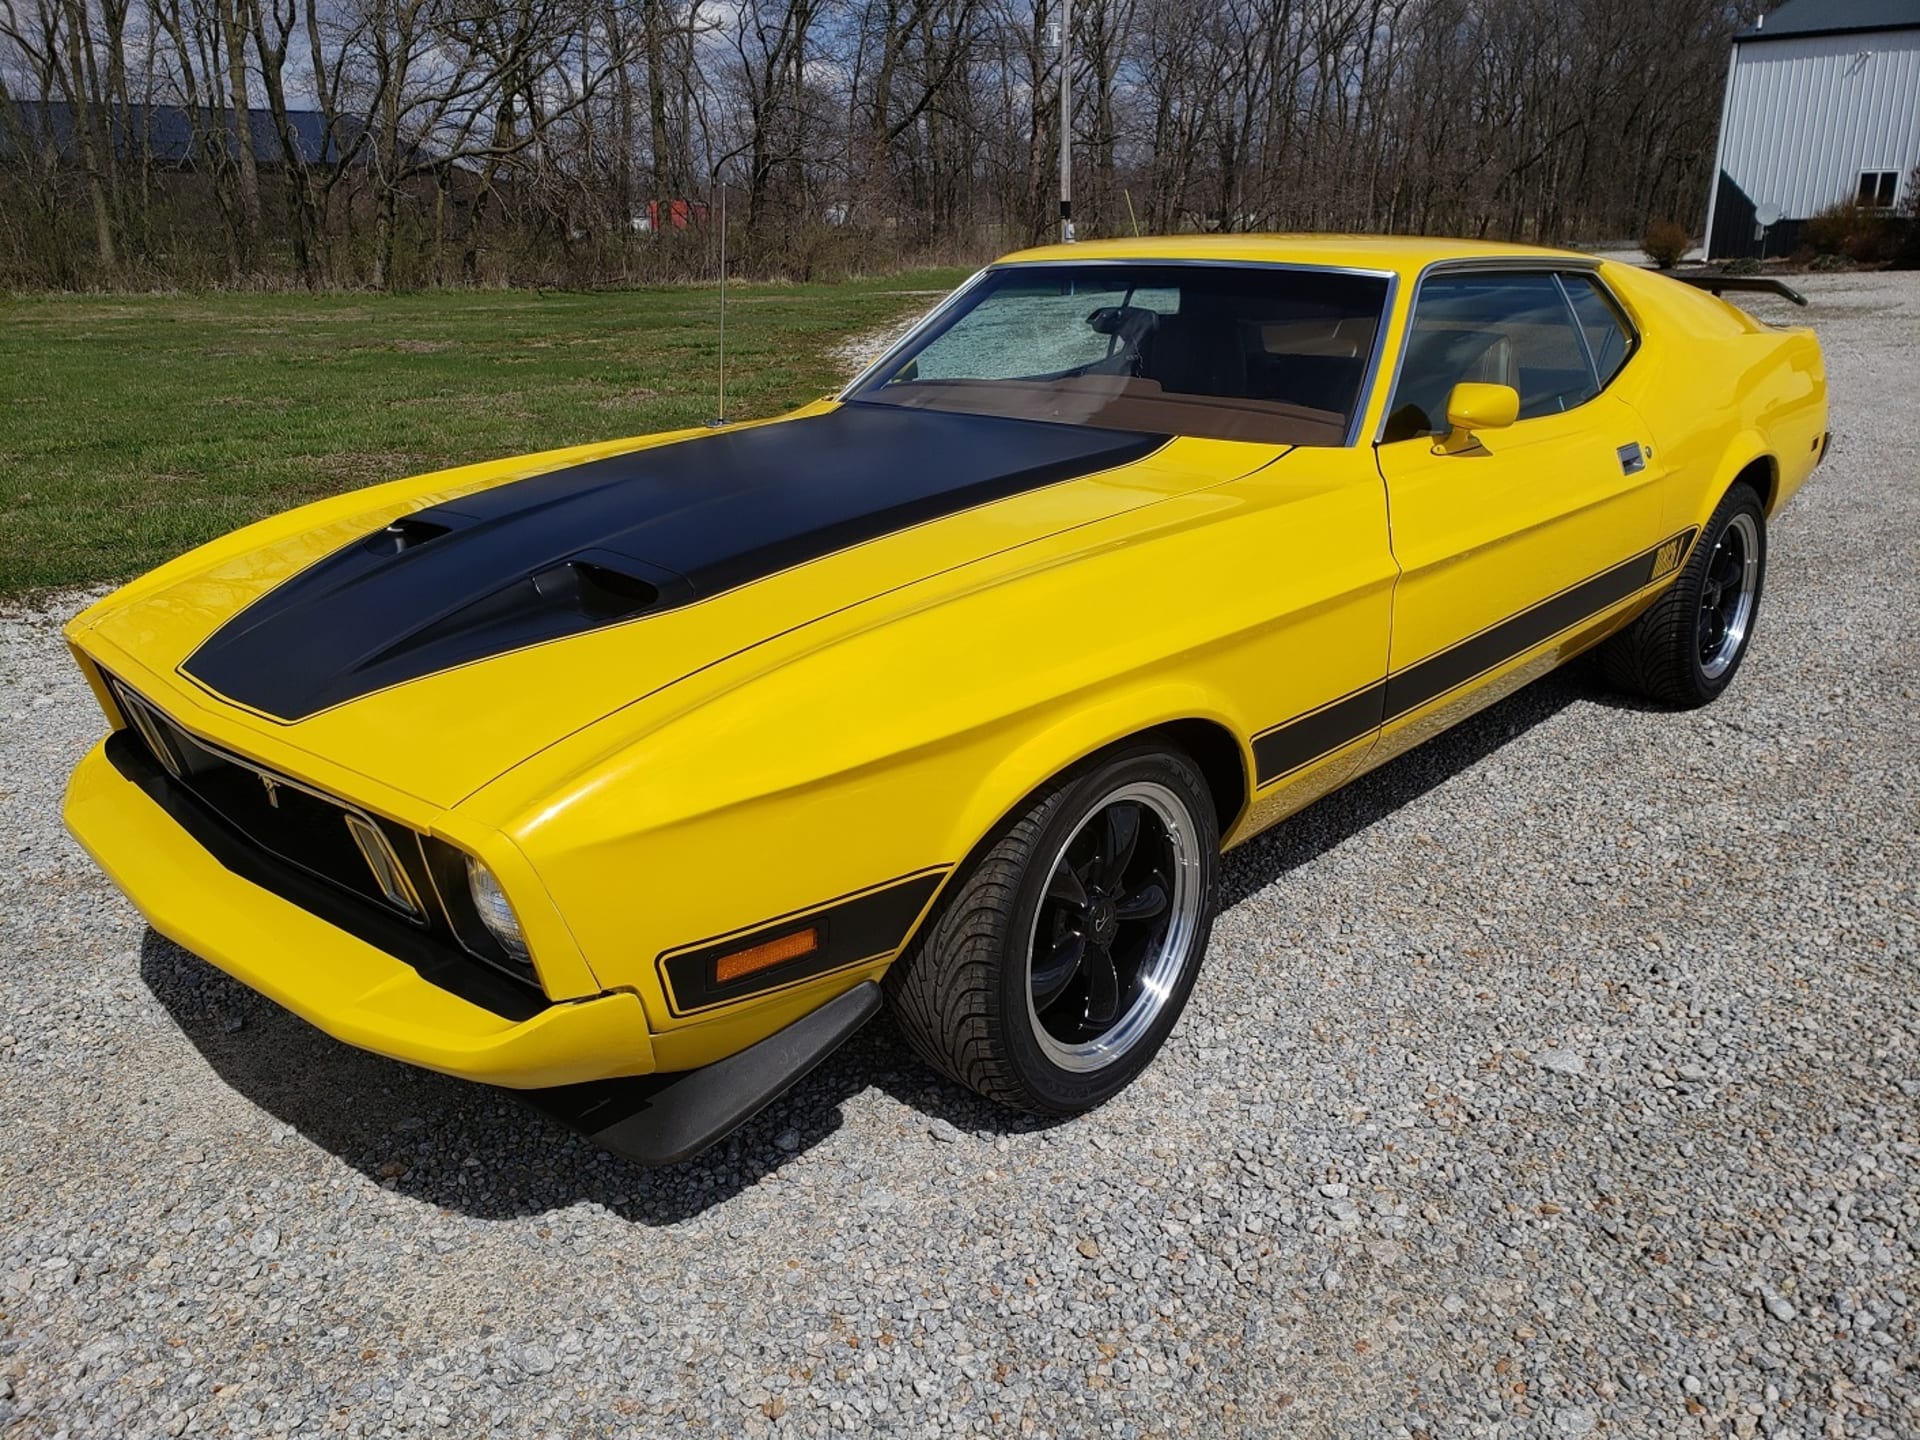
point(1559, 1079)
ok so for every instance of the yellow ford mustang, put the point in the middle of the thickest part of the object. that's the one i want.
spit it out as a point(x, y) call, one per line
point(637, 776)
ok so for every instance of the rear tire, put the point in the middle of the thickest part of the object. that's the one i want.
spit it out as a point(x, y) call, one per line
point(1053, 972)
point(1688, 645)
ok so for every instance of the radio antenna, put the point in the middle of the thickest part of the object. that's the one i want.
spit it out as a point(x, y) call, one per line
point(720, 418)
point(1066, 122)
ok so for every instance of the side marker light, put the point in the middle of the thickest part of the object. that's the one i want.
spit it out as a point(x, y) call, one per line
point(765, 955)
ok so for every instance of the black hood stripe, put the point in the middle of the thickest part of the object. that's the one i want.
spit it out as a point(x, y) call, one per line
point(632, 535)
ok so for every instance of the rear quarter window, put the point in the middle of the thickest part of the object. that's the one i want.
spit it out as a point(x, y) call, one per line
point(1610, 339)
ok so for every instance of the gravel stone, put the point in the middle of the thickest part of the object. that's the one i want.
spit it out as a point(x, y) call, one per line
point(1710, 1233)
point(1561, 1062)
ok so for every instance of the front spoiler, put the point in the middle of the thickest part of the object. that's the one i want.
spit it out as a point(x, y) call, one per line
point(664, 1119)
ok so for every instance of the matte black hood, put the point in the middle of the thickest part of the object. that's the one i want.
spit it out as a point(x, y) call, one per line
point(617, 539)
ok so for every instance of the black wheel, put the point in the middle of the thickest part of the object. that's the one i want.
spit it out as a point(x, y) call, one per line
point(1054, 971)
point(1689, 644)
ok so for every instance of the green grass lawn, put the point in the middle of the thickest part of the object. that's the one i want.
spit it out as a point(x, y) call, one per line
point(134, 428)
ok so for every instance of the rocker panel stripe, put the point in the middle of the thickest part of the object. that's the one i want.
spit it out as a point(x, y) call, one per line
point(1280, 751)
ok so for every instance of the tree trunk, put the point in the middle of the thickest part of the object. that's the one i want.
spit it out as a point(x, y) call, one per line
point(385, 221)
point(240, 128)
point(671, 173)
point(303, 224)
point(87, 137)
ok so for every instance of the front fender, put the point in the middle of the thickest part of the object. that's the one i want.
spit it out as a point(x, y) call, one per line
point(883, 742)
point(1086, 729)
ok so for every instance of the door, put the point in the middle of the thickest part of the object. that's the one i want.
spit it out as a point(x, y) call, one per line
point(1539, 529)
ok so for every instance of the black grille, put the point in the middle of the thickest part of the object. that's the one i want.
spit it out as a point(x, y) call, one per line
point(300, 843)
point(285, 818)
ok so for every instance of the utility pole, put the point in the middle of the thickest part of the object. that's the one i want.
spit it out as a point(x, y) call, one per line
point(1066, 122)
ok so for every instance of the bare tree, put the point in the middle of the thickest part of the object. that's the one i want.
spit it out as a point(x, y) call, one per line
point(404, 142)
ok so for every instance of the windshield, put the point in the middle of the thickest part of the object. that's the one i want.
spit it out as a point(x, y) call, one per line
point(1261, 353)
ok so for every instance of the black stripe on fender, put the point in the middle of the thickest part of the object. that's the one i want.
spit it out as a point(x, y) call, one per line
point(623, 538)
point(1286, 748)
point(1302, 741)
point(852, 930)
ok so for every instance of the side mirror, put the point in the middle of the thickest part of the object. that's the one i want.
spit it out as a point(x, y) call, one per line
point(1473, 406)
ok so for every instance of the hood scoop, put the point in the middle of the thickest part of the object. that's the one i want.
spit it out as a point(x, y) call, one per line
point(576, 594)
point(382, 611)
point(405, 533)
point(622, 538)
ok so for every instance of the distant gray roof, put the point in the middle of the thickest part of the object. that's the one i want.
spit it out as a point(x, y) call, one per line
point(172, 137)
point(1834, 17)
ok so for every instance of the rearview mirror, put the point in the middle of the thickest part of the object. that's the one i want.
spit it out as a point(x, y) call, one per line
point(1474, 406)
point(1128, 322)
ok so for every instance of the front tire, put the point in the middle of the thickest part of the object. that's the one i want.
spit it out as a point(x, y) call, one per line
point(1053, 973)
point(1688, 645)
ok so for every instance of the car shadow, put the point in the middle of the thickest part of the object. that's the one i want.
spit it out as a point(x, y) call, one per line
point(479, 1151)
point(1250, 868)
point(472, 1148)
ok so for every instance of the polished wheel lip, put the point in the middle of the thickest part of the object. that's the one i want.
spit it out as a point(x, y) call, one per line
point(1728, 596)
point(1157, 973)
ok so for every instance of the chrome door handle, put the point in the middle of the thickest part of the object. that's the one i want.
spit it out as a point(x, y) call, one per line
point(1633, 458)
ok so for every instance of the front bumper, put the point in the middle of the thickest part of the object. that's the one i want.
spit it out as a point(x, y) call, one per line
point(352, 989)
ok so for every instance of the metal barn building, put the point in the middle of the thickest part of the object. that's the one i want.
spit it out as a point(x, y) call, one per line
point(1822, 106)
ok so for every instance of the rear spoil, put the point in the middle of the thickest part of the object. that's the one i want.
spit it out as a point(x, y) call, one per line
point(616, 539)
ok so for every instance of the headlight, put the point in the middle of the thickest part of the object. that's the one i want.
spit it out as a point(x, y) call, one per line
point(496, 913)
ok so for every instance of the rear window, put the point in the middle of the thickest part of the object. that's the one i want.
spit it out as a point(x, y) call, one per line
point(1266, 353)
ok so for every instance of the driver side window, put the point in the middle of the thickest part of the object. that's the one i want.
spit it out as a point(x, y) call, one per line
point(1497, 329)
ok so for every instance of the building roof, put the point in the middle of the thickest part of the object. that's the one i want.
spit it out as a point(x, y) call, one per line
point(170, 135)
point(1798, 19)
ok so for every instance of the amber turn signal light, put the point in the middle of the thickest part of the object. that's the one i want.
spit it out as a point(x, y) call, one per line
point(765, 955)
